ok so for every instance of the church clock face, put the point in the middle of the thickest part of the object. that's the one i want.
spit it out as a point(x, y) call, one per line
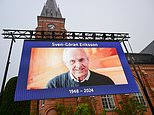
point(51, 26)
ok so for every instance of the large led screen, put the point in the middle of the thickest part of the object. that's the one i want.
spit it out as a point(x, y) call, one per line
point(60, 69)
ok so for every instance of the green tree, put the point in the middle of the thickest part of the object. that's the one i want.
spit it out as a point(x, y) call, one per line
point(8, 106)
point(91, 102)
point(130, 107)
point(87, 107)
point(63, 110)
point(83, 109)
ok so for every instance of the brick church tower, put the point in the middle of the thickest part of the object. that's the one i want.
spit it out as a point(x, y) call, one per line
point(50, 18)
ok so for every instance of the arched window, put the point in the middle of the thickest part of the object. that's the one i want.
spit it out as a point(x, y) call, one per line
point(51, 12)
point(51, 112)
point(108, 102)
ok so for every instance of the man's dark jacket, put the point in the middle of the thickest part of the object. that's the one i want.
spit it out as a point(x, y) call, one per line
point(64, 80)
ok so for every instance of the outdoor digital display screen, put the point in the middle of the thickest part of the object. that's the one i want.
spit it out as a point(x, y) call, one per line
point(59, 69)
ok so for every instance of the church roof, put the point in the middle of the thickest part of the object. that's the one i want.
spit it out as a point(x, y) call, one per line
point(149, 49)
point(139, 58)
point(51, 9)
point(146, 56)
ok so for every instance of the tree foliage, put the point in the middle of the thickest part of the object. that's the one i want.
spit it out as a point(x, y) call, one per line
point(87, 107)
point(8, 106)
point(130, 107)
point(83, 109)
point(63, 110)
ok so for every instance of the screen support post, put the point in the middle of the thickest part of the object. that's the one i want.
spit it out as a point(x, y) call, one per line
point(6, 68)
point(139, 79)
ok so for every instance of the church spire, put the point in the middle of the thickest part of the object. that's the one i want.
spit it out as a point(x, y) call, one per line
point(50, 9)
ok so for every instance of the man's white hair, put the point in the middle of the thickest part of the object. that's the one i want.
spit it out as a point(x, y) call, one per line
point(66, 51)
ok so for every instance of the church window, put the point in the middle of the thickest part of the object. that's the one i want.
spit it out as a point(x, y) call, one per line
point(108, 102)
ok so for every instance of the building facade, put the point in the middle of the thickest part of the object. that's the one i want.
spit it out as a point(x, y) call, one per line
point(142, 69)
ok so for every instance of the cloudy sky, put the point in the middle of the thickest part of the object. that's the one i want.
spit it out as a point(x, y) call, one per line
point(133, 16)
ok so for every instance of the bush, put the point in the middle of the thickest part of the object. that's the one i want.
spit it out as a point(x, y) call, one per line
point(130, 107)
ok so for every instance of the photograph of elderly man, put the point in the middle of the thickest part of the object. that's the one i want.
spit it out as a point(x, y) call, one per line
point(78, 74)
